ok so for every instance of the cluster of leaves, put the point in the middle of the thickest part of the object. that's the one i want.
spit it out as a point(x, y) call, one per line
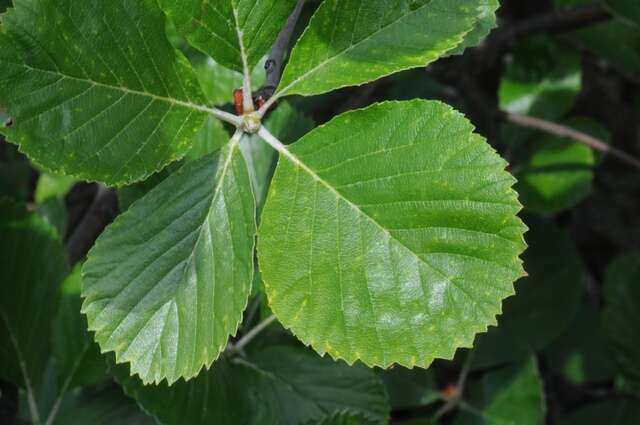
point(387, 237)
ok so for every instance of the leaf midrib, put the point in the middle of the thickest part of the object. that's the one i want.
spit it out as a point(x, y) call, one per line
point(169, 100)
point(353, 46)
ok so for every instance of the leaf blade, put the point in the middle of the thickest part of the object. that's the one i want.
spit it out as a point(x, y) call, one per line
point(151, 297)
point(137, 101)
point(371, 39)
point(364, 302)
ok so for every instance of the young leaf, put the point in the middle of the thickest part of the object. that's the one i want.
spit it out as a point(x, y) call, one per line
point(94, 88)
point(277, 385)
point(216, 27)
point(545, 303)
point(510, 396)
point(390, 235)
point(351, 42)
point(621, 324)
point(32, 266)
point(167, 282)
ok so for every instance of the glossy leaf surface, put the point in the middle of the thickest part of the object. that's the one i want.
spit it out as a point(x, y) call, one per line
point(351, 42)
point(390, 235)
point(166, 283)
point(94, 88)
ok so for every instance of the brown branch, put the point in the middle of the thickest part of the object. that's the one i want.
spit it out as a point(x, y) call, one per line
point(102, 211)
point(570, 133)
point(557, 21)
point(275, 63)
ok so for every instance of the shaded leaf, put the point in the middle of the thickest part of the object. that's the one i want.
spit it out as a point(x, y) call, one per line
point(277, 385)
point(94, 88)
point(390, 235)
point(351, 42)
point(77, 357)
point(545, 303)
point(626, 9)
point(559, 173)
point(218, 82)
point(409, 388)
point(614, 412)
point(621, 316)
point(510, 396)
point(32, 267)
point(579, 354)
point(107, 407)
point(166, 284)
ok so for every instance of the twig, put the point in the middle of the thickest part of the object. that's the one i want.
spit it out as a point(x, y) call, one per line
point(275, 63)
point(102, 211)
point(561, 20)
point(239, 346)
point(568, 132)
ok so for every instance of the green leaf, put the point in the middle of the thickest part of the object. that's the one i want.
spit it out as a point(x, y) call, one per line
point(559, 173)
point(579, 355)
point(166, 284)
point(613, 412)
point(211, 138)
point(216, 27)
point(622, 309)
point(628, 10)
point(343, 418)
point(77, 357)
point(545, 303)
point(485, 23)
point(94, 88)
point(52, 186)
point(32, 267)
point(409, 388)
point(351, 42)
point(278, 385)
point(390, 235)
point(219, 83)
point(108, 407)
point(288, 125)
point(510, 396)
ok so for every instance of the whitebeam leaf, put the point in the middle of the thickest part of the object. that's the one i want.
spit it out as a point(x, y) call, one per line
point(95, 90)
point(167, 282)
point(351, 42)
point(226, 30)
point(390, 235)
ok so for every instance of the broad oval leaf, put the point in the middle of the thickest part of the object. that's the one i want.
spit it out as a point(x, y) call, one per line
point(167, 282)
point(279, 384)
point(32, 267)
point(95, 90)
point(351, 42)
point(228, 29)
point(390, 235)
